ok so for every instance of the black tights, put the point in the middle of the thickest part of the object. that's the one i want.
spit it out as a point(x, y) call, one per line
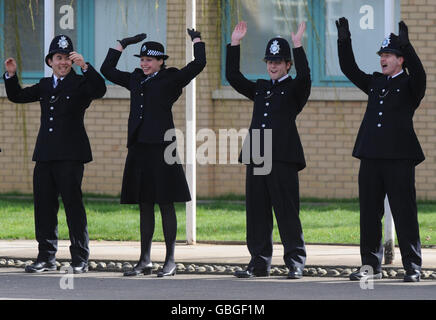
point(169, 224)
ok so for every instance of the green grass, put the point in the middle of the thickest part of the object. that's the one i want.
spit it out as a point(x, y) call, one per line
point(323, 221)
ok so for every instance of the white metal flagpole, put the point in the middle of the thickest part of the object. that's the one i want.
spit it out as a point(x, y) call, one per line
point(49, 30)
point(191, 172)
point(389, 240)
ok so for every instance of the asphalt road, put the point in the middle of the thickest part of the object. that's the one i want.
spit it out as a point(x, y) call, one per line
point(15, 284)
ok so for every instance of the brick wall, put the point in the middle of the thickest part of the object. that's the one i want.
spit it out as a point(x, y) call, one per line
point(327, 127)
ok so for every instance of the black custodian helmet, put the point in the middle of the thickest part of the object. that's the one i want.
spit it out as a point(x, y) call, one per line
point(278, 49)
point(391, 44)
point(60, 44)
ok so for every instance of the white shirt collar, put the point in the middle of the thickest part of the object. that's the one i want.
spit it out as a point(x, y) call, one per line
point(395, 75)
point(282, 78)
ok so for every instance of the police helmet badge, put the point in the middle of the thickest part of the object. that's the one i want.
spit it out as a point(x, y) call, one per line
point(386, 42)
point(144, 48)
point(63, 43)
point(275, 47)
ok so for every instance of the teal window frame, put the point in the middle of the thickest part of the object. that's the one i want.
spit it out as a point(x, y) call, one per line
point(314, 51)
point(85, 38)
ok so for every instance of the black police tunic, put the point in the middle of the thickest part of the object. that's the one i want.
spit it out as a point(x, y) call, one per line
point(276, 106)
point(147, 176)
point(62, 134)
point(387, 129)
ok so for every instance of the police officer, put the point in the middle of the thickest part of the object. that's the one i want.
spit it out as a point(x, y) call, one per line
point(149, 177)
point(387, 147)
point(277, 102)
point(62, 148)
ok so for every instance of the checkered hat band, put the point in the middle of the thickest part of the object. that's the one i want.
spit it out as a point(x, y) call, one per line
point(154, 53)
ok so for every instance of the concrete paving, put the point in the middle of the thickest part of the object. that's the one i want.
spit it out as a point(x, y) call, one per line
point(317, 255)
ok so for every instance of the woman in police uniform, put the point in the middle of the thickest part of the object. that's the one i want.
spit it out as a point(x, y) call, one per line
point(148, 178)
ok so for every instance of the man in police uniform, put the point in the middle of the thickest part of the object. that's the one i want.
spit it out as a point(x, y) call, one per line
point(62, 147)
point(388, 147)
point(277, 102)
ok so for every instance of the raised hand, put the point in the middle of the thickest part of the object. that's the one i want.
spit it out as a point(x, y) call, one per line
point(239, 33)
point(194, 34)
point(132, 40)
point(343, 29)
point(296, 38)
point(403, 34)
point(77, 59)
point(11, 66)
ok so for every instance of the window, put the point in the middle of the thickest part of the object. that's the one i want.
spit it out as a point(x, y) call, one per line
point(93, 25)
point(267, 19)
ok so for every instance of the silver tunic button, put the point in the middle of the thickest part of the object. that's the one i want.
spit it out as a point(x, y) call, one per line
point(398, 90)
point(68, 97)
point(380, 113)
point(267, 104)
point(263, 126)
point(265, 114)
point(51, 129)
point(283, 92)
point(53, 97)
point(268, 92)
point(51, 108)
point(381, 102)
point(142, 106)
point(51, 119)
point(379, 125)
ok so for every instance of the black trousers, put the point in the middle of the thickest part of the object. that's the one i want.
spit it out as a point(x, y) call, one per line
point(51, 179)
point(279, 190)
point(396, 178)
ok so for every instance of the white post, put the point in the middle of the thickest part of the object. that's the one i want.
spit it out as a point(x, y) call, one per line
point(191, 172)
point(49, 30)
point(389, 240)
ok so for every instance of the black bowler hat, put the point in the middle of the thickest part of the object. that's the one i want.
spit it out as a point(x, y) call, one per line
point(60, 44)
point(391, 44)
point(278, 49)
point(152, 49)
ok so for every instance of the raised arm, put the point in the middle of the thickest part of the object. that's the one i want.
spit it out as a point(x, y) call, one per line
point(233, 73)
point(14, 91)
point(183, 76)
point(108, 68)
point(303, 81)
point(347, 61)
point(94, 85)
point(416, 70)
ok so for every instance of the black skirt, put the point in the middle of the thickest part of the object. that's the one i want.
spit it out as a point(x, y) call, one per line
point(148, 178)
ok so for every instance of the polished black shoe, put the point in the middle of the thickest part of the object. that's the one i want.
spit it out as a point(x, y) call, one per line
point(248, 273)
point(412, 276)
point(166, 273)
point(358, 275)
point(40, 266)
point(295, 273)
point(81, 267)
point(137, 270)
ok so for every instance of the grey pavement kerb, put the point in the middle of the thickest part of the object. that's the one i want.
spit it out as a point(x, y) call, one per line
point(332, 260)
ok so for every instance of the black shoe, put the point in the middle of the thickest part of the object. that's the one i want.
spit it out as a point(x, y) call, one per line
point(358, 275)
point(171, 272)
point(137, 270)
point(40, 267)
point(295, 273)
point(249, 273)
point(412, 276)
point(80, 267)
